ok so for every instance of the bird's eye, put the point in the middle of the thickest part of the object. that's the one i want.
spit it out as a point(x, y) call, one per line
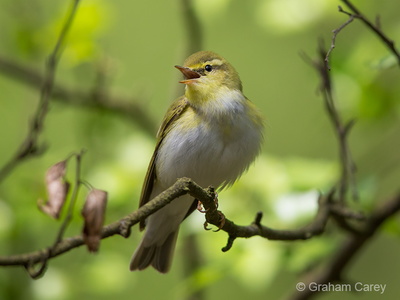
point(208, 68)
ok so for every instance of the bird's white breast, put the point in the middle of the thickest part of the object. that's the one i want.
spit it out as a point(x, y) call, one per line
point(212, 148)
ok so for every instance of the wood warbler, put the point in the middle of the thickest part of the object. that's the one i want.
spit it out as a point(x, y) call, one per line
point(211, 135)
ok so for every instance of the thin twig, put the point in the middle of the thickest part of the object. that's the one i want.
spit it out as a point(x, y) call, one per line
point(29, 146)
point(74, 196)
point(335, 33)
point(376, 28)
point(342, 130)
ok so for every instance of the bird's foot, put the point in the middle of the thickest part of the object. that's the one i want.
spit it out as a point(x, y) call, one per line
point(221, 222)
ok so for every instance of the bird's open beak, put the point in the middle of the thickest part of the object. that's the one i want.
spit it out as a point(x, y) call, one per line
point(189, 74)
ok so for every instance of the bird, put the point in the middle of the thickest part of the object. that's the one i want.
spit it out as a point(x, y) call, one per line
point(211, 134)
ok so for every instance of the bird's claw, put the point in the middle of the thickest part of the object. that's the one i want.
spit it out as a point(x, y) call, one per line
point(205, 225)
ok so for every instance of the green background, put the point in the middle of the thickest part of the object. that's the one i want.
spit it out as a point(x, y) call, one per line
point(135, 44)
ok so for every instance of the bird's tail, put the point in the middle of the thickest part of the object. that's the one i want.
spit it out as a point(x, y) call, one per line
point(159, 255)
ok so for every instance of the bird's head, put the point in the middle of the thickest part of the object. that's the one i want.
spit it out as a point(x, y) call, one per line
point(208, 76)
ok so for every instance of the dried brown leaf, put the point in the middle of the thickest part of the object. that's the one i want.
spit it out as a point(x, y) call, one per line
point(56, 171)
point(93, 213)
point(57, 191)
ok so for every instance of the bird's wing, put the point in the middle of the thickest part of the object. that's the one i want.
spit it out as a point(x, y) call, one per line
point(174, 111)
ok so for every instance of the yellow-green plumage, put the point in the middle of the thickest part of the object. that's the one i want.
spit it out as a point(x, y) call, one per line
point(211, 134)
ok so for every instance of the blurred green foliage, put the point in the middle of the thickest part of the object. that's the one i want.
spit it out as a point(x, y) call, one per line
point(136, 44)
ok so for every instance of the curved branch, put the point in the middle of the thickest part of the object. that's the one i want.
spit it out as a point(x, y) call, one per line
point(316, 227)
point(181, 187)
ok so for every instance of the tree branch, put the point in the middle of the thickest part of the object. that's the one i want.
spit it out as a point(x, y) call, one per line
point(206, 196)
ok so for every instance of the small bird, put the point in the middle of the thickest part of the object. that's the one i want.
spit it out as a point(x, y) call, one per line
point(211, 135)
